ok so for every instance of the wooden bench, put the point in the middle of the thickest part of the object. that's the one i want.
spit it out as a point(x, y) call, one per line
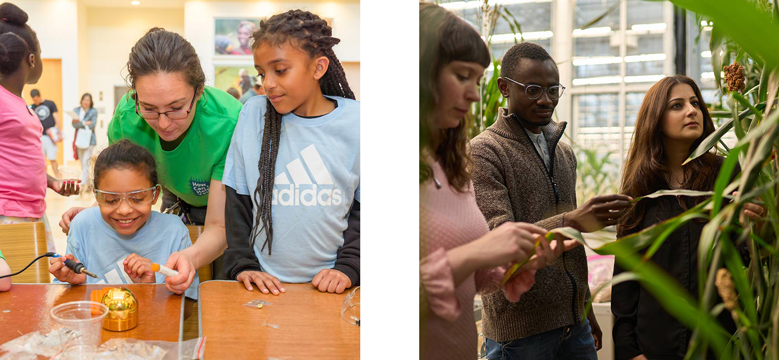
point(20, 244)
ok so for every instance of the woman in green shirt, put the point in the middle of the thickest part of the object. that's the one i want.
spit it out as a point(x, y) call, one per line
point(187, 127)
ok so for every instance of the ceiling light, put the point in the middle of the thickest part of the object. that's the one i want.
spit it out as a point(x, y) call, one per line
point(596, 31)
point(649, 27)
point(462, 5)
point(135, 2)
point(644, 57)
point(598, 80)
point(643, 78)
point(528, 35)
point(596, 60)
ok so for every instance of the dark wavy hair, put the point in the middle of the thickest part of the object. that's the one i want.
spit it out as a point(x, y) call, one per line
point(162, 51)
point(311, 34)
point(17, 39)
point(646, 166)
point(443, 38)
point(126, 155)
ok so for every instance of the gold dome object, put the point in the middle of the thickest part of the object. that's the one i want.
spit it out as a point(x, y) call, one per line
point(122, 309)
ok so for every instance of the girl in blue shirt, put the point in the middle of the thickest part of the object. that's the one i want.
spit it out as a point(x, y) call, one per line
point(292, 205)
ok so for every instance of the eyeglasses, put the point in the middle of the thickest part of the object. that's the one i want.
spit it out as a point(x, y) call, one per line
point(534, 91)
point(171, 114)
point(350, 310)
point(136, 198)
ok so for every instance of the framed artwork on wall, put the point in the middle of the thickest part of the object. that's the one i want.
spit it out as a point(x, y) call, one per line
point(233, 36)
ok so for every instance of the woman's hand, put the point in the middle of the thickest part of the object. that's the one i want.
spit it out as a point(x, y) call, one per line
point(183, 264)
point(752, 211)
point(68, 216)
point(265, 282)
point(508, 243)
point(548, 251)
point(332, 281)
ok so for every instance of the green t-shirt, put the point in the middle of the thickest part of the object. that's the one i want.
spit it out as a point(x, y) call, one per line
point(188, 169)
point(1, 255)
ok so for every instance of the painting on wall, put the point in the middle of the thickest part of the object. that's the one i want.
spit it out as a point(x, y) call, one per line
point(234, 36)
point(241, 78)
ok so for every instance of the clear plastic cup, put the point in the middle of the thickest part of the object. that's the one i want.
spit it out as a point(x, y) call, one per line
point(69, 173)
point(350, 310)
point(82, 321)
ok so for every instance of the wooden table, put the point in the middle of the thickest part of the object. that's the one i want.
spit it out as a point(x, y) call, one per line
point(30, 307)
point(310, 323)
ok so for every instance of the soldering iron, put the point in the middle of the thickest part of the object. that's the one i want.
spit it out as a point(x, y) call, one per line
point(78, 268)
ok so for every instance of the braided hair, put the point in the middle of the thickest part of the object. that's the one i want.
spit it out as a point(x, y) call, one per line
point(311, 34)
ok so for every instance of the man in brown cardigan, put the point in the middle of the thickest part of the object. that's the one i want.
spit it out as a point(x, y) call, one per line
point(522, 172)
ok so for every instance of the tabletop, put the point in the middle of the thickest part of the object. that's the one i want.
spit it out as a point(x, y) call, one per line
point(301, 323)
point(27, 308)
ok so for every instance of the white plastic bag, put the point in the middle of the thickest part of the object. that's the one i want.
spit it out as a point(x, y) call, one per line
point(83, 138)
point(601, 271)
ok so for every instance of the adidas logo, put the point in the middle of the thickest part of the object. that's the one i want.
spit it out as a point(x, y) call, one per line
point(302, 190)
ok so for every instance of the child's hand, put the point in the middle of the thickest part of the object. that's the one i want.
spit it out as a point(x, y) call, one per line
point(263, 280)
point(139, 269)
point(332, 281)
point(63, 273)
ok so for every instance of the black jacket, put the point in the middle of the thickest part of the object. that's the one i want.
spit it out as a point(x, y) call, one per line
point(641, 325)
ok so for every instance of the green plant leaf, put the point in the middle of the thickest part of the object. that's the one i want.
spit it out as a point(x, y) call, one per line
point(602, 16)
point(567, 232)
point(681, 192)
point(710, 141)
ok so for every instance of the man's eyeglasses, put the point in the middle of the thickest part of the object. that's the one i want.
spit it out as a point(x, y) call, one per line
point(534, 91)
point(171, 114)
point(136, 198)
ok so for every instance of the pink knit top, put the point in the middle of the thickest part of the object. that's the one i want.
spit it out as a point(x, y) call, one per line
point(448, 219)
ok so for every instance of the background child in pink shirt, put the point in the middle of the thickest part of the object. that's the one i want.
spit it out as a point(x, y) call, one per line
point(23, 181)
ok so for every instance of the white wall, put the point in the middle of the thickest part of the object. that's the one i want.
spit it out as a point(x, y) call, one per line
point(111, 33)
point(55, 22)
point(199, 30)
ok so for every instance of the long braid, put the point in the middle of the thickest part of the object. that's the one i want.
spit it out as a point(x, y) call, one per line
point(312, 35)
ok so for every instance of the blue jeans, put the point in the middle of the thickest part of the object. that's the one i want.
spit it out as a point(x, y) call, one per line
point(567, 342)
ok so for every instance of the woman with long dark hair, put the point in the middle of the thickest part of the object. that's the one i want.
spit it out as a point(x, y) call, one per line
point(672, 122)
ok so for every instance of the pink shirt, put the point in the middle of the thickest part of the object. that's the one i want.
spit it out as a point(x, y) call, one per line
point(22, 165)
point(448, 219)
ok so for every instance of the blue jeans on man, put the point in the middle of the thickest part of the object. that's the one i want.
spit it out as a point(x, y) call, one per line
point(573, 342)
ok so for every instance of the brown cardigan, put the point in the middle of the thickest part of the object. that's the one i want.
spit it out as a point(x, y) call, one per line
point(512, 184)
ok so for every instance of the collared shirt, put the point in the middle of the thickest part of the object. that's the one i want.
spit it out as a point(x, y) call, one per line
point(539, 141)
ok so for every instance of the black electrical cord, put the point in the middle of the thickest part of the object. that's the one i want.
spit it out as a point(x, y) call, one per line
point(48, 254)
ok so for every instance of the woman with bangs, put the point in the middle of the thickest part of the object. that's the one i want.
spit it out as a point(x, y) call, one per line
point(459, 256)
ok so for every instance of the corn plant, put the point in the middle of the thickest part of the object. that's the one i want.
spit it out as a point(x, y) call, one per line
point(596, 175)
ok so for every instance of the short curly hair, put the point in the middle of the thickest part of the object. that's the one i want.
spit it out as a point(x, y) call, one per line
point(525, 50)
